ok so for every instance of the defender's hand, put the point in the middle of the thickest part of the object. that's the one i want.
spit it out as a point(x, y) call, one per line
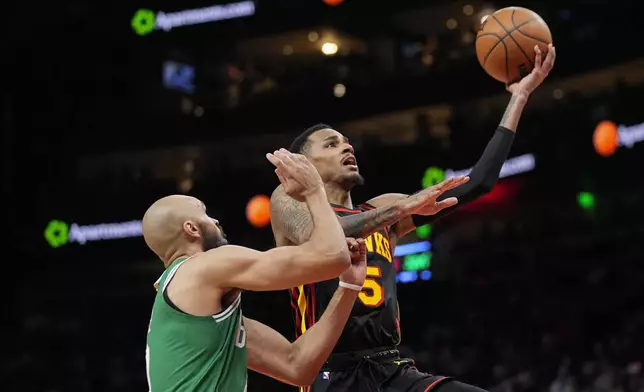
point(357, 273)
point(298, 176)
point(424, 202)
point(541, 70)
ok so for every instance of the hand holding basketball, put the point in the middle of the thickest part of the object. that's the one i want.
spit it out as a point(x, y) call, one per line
point(506, 40)
point(541, 70)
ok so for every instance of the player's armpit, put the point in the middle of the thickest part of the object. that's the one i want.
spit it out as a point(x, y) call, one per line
point(276, 269)
point(269, 353)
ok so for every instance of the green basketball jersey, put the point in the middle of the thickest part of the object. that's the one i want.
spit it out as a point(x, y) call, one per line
point(195, 354)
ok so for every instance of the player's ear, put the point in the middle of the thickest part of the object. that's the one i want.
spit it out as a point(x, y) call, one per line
point(191, 229)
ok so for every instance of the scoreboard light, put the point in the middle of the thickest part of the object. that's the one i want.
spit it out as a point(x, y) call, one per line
point(412, 262)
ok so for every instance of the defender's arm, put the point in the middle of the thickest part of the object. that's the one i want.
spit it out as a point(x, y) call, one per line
point(298, 363)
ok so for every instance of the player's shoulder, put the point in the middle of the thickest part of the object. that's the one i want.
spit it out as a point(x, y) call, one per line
point(226, 252)
point(278, 192)
point(221, 258)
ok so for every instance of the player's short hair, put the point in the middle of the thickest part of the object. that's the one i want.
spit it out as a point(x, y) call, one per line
point(301, 143)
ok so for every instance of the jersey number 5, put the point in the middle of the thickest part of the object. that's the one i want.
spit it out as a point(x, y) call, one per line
point(375, 295)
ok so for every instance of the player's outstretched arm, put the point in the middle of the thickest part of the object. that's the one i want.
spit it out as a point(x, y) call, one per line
point(299, 362)
point(292, 219)
point(485, 172)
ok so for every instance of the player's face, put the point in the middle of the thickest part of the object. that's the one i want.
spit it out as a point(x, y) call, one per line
point(333, 157)
point(212, 234)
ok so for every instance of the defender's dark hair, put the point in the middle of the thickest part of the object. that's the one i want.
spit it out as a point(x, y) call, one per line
point(301, 142)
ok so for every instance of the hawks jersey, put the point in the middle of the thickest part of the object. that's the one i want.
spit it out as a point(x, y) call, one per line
point(374, 319)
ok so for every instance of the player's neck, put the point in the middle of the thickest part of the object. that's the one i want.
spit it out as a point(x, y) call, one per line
point(182, 253)
point(338, 195)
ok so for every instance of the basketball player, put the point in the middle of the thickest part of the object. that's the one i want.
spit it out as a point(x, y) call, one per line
point(365, 358)
point(197, 338)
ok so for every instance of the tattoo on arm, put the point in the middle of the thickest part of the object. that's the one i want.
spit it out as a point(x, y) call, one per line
point(294, 219)
point(292, 216)
point(366, 223)
point(508, 110)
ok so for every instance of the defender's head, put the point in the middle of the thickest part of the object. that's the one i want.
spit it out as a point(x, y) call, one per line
point(179, 224)
point(331, 154)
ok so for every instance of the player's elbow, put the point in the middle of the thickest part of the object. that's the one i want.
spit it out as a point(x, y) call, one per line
point(484, 188)
point(301, 372)
point(304, 376)
point(305, 380)
point(478, 189)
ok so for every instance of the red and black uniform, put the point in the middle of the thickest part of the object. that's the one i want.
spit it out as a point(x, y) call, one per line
point(365, 358)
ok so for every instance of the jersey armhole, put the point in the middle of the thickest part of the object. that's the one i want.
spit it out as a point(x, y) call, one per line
point(164, 291)
point(219, 316)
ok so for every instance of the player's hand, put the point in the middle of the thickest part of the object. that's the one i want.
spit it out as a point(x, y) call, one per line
point(298, 176)
point(357, 272)
point(425, 203)
point(541, 70)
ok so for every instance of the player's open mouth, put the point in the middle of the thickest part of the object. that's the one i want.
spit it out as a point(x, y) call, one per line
point(350, 161)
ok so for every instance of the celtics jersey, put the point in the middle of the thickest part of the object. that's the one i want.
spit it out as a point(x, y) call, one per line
point(188, 353)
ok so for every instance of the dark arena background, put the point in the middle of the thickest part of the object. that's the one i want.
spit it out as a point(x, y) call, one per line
point(539, 286)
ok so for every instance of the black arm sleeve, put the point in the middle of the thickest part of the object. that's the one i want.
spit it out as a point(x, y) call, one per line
point(482, 177)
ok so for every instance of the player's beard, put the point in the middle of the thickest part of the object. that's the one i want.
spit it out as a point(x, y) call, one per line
point(348, 181)
point(212, 239)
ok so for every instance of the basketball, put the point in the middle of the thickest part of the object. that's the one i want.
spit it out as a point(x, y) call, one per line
point(505, 43)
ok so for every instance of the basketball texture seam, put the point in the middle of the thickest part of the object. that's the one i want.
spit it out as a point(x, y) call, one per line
point(509, 34)
point(517, 28)
point(501, 38)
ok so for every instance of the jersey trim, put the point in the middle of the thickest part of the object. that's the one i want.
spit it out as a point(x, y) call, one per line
point(171, 275)
point(303, 304)
point(180, 260)
point(223, 315)
point(342, 209)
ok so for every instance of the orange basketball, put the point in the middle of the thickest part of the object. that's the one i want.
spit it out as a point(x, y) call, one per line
point(258, 211)
point(606, 138)
point(505, 43)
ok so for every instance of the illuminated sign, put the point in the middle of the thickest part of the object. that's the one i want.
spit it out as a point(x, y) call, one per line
point(608, 137)
point(630, 135)
point(146, 21)
point(59, 233)
point(178, 76)
point(513, 166)
point(413, 261)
